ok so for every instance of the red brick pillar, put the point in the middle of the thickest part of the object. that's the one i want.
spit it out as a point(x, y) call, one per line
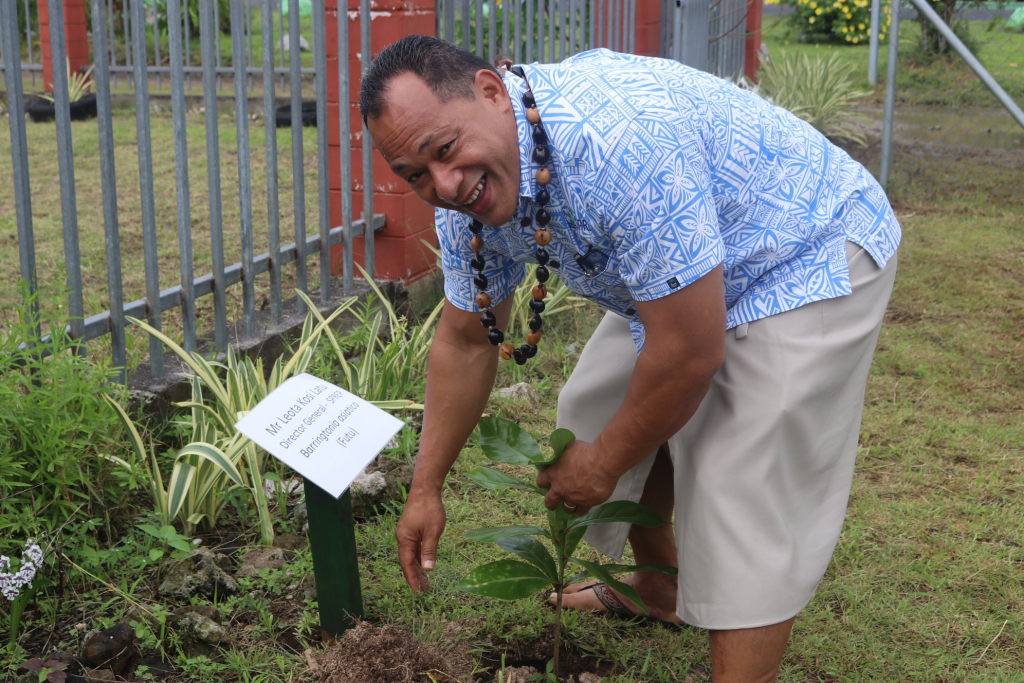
point(400, 253)
point(648, 28)
point(76, 38)
point(752, 60)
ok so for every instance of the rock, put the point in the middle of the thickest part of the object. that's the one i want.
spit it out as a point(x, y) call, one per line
point(520, 674)
point(303, 44)
point(290, 544)
point(570, 349)
point(382, 481)
point(204, 573)
point(200, 628)
point(99, 675)
point(289, 486)
point(300, 517)
point(155, 667)
point(589, 678)
point(260, 559)
point(308, 586)
point(208, 611)
point(520, 392)
point(109, 649)
point(370, 485)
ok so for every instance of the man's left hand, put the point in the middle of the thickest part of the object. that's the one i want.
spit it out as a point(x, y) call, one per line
point(579, 480)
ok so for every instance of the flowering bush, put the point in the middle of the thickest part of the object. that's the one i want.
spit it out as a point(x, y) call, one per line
point(845, 20)
point(11, 583)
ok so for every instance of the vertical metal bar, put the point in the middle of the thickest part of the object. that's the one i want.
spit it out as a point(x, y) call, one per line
point(345, 137)
point(112, 238)
point(467, 24)
point(10, 46)
point(298, 176)
point(248, 32)
point(449, 21)
point(552, 9)
point(28, 39)
point(280, 35)
point(602, 8)
point(632, 26)
point(876, 11)
point(270, 137)
point(677, 29)
point(492, 30)
point(66, 169)
point(666, 21)
point(506, 43)
point(324, 196)
point(480, 28)
point(125, 13)
point(541, 15)
point(216, 33)
point(695, 34)
point(571, 28)
point(616, 30)
point(244, 178)
point(156, 46)
point(517, 45)
point(208, 34)
point(145, 152)
point(188, 51)
point(188, 312)
point(529, 30)
point(890, 93)
point(366, 55)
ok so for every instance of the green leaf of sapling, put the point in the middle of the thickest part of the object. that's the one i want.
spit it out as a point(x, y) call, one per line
point(167, 532)
point(505, 580)
point(495, 534)
point(572, 540)
point(155, 554)
point(619, 511)
point(560, 438)
point(506, 442)
point(494, 480)
point(599, 572)
point(150, 529)
point(534, 552)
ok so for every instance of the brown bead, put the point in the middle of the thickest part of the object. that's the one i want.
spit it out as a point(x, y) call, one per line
point(539, 292)
point(506, 351)
point(532, 115)
point(533, 338)
point(542, 237)
point(483, 299)
point(543, 175)
point(477, 244)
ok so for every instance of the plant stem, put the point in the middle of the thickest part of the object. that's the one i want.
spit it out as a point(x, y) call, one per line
point(558, 626)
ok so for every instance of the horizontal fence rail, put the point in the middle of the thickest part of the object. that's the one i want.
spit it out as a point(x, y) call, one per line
point(162, 45)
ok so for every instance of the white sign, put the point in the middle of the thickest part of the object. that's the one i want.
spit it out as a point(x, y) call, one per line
point(321, 431)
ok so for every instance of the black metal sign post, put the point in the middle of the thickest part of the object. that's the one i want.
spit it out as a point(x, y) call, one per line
point(332, 539)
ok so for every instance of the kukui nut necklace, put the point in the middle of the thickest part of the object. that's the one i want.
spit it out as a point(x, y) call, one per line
point(541, 155)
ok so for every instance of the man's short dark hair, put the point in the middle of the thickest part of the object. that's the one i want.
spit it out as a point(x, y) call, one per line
point(447, 70)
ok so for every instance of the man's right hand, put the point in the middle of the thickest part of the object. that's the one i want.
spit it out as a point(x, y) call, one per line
point(418, 533)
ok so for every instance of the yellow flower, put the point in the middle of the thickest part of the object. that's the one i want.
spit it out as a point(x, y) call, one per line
point(813, 5)
point(817, 11)
point(811, 20)
point(846, 30)
point(860, 26)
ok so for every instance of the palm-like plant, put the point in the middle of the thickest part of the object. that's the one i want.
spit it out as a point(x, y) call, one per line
point(821, 91)
point(79, 84)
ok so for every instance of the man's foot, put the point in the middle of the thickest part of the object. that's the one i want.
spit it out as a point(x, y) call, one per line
point(658, 594)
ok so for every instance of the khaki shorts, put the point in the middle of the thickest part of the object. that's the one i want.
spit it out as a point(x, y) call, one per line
point(763, 469)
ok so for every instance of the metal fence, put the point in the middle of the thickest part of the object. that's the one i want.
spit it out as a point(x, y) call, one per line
point(710, 36)
point(83, 327)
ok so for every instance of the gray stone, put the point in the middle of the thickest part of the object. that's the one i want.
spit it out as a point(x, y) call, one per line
point(290, 544)
point(99, 675)
point(520, 392)
point(370, 486)
point(201, 628)
point(303, 44)
point(308, 586)
point(383, 480)
point(589, 678)
point(260, 559)
point(204, 573)
point(299, 515)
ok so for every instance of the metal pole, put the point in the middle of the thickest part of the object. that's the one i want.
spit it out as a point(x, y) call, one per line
point(270, 137)
point(345, 138)
point(298, 176)
point(156, 48)
point(66, 170)
point(931, 15)
point(467, 25)
point(552, 10)
point(28, 39)
point(517, 40)
point(492, 30)
point(324, 194)
point(208, 34)
point(890, 93)
point(127, 36)
point(366, 55)
point(188, 311)
point(188, 44)
point(11, 48)
point(528, 54)
point(145, 151)
point(244, 176)
point(332, 541)
point(693, 46)
point(876, 11)
point(480, 28)
point(505, 12)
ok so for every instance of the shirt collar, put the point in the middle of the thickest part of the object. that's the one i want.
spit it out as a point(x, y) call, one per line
point(516, 87)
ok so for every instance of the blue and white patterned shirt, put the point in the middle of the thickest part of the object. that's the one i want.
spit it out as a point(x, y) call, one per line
point(668, 172)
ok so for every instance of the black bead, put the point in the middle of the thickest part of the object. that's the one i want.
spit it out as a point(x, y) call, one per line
point(487, 319)
point(536, 323)
point(555, 264)
point(541, 154)
point(478, 262)
point(630, 311)
point(542, 217)
point(525, 221)
point(539, 136)
point(525, 350)
point(495, 336)
point(475, 227)
point(480, 281)
point(528, 99)
point(543, 197)
point(537, 306)
point(533, 351)
point(519, 357)
point(542, 274)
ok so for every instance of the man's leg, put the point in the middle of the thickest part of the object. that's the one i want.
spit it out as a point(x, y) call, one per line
point(749, 655)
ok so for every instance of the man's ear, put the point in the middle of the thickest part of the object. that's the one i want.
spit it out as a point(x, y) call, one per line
point(488, 85)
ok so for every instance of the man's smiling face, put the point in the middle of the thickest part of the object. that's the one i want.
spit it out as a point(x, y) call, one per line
point(462, 154)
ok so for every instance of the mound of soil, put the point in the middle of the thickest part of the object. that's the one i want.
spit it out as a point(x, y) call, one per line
point(388, 654)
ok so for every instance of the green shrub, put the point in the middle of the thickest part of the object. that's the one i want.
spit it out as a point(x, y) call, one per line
point(847, 21)
point(820, 91)
point(53, 425)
